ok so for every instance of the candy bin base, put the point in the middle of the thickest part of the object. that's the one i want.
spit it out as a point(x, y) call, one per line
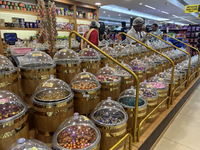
point(105, 61)
point(66, 72)
point(126, 83)
point(162, 95)
point(150, 72)
point(110, 90)
point(142, 75)
point(165, 66)
point(158, 68)
point(132, 56)
point(91, 66)
point(152, 103)
point(124, 59)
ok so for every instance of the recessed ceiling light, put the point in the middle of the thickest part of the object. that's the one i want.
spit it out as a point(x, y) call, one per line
point(104, 12)
point(175, 16)
point(120, 17)
point(140, 3)
point(98, 4)
point(131, 17)
point(149, 7)
point(158, 10)
point(164, 12)
point(119, 14)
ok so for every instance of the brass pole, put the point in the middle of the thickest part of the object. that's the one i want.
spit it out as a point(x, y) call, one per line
point(190, 47)
point(172, 77)
point(130, 71)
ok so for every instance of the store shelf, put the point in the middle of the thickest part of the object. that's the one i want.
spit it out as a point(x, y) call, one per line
point(18, 12)
point(85, 19)
point(65, 30)
point(64, 17)
point(30, 29)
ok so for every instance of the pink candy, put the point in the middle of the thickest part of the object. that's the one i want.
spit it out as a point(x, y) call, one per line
point(158, 85)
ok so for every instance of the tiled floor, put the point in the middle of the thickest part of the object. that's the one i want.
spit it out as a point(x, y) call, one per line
point(184, 132)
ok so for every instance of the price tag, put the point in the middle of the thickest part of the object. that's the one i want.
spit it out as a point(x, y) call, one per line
point(34, 148)
point(63, 50)
point(3, 100)
point(85, 118)
point(47, 85)
point(36, 55)
point(85, 76)
point(86, 95)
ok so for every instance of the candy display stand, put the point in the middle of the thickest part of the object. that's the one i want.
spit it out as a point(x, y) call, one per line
point(133, 51)
point(127, 80)
point(68, 64)
point(150, 66)
point(104, 60)
point(8, 75)
point(35, 67)
point(158, 62)
point(90, 60)
point(14, 118)
point(86, 88)
point(127, 100)
point(77, 132)
point(122, 53)
point(110, 82)
point(52, 101)
point(111, 119)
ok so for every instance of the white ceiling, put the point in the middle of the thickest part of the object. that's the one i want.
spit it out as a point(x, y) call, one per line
point(160, 5)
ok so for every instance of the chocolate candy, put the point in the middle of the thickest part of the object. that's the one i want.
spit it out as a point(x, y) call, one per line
point(148, 93)
point(84, 85)
point(107, 78)
point(137, 68)
point(8, 110)
point(158, 85)
point(76, 137)
point(130, 101)
point(108, 116)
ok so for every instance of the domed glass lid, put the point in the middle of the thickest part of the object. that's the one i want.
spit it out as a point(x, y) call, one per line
point(76, 132)
point(28, 144)
point(121, 72)
point(84, 81)
point(110, 41)
point(141, 48)
point(36, 60)
point(146, 85)
point(107, 74)
point(137, 65)
point(11, 106)
point(89, 54)
point(149, 62)
point(109, 113)
point(166, 76)
point(148, 93)
point(131, 49)
point(156, 58)
point(120, 50)
point(177, 74)
point(52, 90)
point(66, 56)
point(110, 51)
point(6, 65)
point(156, 79)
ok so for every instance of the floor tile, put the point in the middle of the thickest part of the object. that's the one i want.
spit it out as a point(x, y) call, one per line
point(185, 130)
point(165, 144)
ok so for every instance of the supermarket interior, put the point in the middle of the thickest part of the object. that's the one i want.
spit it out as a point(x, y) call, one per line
point(99, 74)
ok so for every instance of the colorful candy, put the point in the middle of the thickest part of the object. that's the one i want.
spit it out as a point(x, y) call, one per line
point(84, 85)
point(137, 68)
point(130, 101)
point(8, 110)
point(158, 85)
point(148, 93)
point(107, 78)
point(107, 116)
point(77, 137)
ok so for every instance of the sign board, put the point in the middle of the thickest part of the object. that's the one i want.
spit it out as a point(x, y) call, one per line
point(82, 28)
point(192, 8)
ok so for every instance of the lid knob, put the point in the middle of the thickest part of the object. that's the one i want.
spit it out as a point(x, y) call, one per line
point(51, 76)
point(156, 75)
point(109, 98)
point(21, 140)
point(76, 115)
point(106, 65)
point(84, 70)
point(88, 46)
point(145, 80)
point(132, 87)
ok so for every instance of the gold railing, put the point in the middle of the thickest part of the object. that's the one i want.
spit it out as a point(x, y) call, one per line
point(122, 139)
point(104, 36)
point(118, 63)
point(172, 78)
point(182, 51)
point(190, 47)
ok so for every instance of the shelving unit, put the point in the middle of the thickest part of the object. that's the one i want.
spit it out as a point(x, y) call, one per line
point(18, 12)
point(25, 29)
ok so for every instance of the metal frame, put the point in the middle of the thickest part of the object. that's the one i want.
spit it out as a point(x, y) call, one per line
point(190, 47)
point(104, 36)
point(182, 51)
point(122, 139)
point(171, 86)
point(118, 63)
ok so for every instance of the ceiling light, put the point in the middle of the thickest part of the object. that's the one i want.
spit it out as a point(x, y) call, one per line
point(158, 10)
point(131, 17)
point(149, 7)
point(120, 17)
point(119, 14)
point(140, 3)
point(98, 4)
point(104, 12)
point(164, 12)
point(175, 16)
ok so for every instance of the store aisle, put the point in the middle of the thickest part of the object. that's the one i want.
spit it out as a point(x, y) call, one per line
point(184, 132)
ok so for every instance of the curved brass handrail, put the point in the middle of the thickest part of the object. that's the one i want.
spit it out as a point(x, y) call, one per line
point(189, 46)
point(104, 36)
point(180, 50)
point(122, 139)
point(131, 72)
point(172, 77)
